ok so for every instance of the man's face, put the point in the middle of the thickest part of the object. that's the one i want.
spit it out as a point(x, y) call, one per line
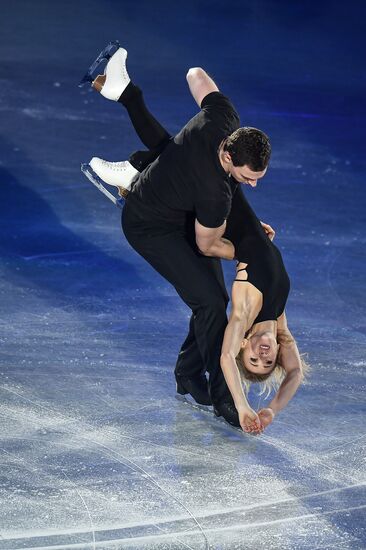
point(245, 175)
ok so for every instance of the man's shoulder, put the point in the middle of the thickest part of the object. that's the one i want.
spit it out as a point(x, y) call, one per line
point(218, 99)
point(219, 105)
point(217, 119)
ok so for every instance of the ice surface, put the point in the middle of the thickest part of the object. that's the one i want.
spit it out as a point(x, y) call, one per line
point(96, 452)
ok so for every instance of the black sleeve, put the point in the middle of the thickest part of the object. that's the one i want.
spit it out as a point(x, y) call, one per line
point(212, 212)
point(219, 107)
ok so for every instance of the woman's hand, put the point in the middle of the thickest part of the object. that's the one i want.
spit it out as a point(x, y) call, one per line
point(266, 416)
point(270, 232)
point(249, 420)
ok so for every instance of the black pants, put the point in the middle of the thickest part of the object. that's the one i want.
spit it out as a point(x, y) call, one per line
point(173, 253)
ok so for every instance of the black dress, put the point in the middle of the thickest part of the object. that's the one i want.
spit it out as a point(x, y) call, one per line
point(266, 270)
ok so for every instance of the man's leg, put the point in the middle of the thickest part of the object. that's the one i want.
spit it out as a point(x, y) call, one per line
point(155, 137)
point(191, 274)
point(189, 358)
point(193, 358)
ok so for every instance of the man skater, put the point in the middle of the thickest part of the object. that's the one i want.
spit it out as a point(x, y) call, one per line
point(176, 210)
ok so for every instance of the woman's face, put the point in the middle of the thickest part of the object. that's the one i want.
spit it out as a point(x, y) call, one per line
point(260, 353)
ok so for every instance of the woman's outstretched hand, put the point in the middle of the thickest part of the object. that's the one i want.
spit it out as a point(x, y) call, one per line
point(250, 421)
point(266, 416)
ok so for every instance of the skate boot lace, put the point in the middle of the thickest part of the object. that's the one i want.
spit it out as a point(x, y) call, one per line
point(121, 166)
point(124, 72)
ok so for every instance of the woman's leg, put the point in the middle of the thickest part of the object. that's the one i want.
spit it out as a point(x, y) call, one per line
point(149, 130)
point(195, 280)
point(141, 159)
point(151, 133)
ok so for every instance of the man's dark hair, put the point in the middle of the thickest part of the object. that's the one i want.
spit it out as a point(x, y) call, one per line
point(249, 146)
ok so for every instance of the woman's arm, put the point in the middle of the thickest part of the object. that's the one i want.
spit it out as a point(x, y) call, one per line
point(246, 304)
point(291, 362)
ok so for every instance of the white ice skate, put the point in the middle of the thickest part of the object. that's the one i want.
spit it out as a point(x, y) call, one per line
point(115, 79)
point(118, 174)
point(99, 184)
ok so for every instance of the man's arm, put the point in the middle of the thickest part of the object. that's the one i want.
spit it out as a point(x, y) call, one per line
point(211, 243)
point(221, 248)
point(207, 236)
point(200, 84)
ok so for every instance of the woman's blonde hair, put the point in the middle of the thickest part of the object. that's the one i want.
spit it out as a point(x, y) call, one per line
point(271, 381)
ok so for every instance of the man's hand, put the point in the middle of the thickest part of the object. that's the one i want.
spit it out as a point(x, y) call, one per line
point(270, 232)
point(250, 421)
point(266, 416)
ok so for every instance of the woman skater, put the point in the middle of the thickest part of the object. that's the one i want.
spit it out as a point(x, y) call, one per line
point(258, 345)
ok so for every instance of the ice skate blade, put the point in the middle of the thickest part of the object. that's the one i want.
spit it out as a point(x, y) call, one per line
point(95, 179)
point(210, 411)
point(193, 404)
point(104, 55)
point(198, 397)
